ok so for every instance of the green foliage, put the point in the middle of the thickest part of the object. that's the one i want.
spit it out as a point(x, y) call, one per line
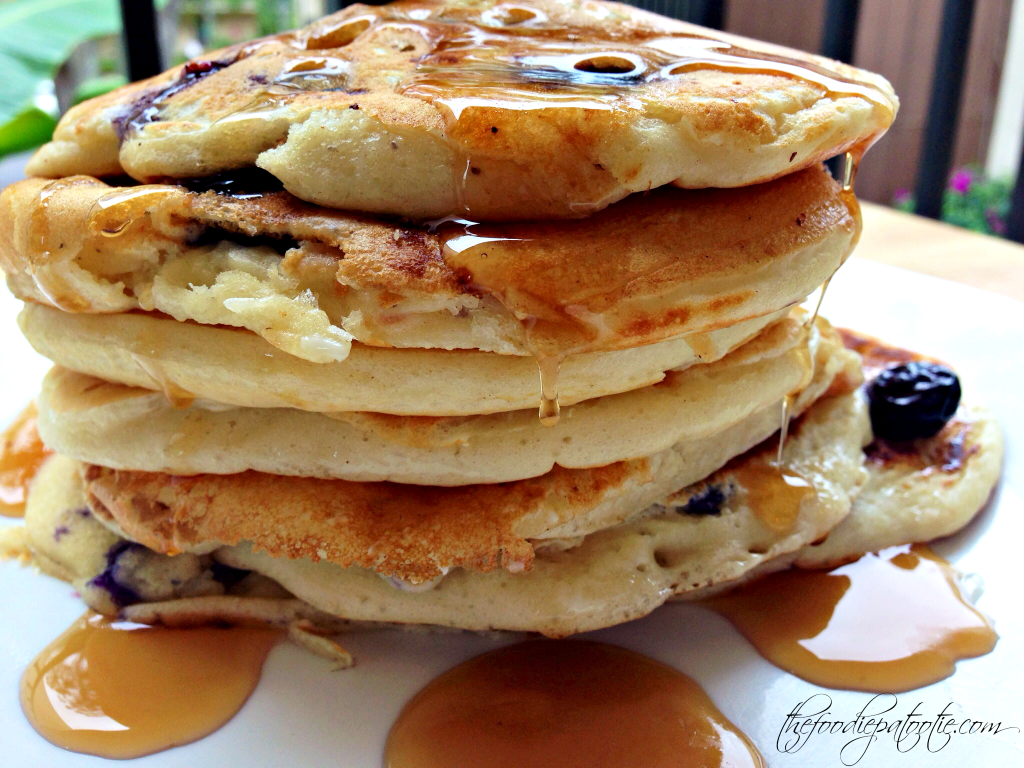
point(97, 86)
point(971, 200)
point(982, 206)
point(29, 128)
point(36, 37)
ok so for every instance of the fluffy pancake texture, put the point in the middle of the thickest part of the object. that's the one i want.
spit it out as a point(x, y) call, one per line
point(129, 428)
point(542, 109)
point(120, 578)
point(918, 490)
point(310, 281)
point(676, 549)
point(235, 367)
point(621, 573)
point(416, 533)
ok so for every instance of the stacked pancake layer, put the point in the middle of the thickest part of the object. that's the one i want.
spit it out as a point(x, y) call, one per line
point(281, 393)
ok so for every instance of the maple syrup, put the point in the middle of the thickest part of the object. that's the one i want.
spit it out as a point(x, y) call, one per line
point(889, 622)
point(851, 161)
point(144, 352)
point(120, 690)
point(774, 494)
point(22, 453)
point(546, 703)
point(176, 396)
point(807, 359)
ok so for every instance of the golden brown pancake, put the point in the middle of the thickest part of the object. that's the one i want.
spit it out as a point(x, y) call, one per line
point(236, 367)
point(309, 281)
point(917, 490)
point(417, 533)
point(614, 575)
point(711, 533)
point(120, 578)
point(129, 428)
point(496, 110)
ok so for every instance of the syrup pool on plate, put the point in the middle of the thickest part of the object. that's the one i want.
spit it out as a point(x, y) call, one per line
point(120, 690)
point(22, 453)
point(557, 703)
point(889, 622)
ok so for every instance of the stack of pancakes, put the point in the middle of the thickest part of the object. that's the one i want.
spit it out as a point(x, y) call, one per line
point(470, 313)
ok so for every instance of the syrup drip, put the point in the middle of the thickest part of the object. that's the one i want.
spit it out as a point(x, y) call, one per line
point(775, 495)
point(114, 212)
point(789, 401)
point(889, 622)
point(544, 703)
point(22, 453)
point(120, 690)
point(50, 282)
point(851, 162)
point(787, 413)
point(176, 396)
point(549, 407)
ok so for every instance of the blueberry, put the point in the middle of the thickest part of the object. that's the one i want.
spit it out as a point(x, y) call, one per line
point(109, 580)
point(912, 400)
point(707, 502)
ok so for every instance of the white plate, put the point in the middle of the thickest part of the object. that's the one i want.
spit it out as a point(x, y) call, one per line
point(302, 714)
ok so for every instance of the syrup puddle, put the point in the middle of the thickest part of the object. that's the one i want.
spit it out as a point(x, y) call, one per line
point(544, 703)
point(887, 623)
point(121, 690)
point(22, 453)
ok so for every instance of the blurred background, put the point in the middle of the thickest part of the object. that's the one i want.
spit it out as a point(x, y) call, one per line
point(957, 65)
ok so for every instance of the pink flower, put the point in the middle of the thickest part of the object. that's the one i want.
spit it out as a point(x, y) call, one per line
point(961, 181)
point(901, 196)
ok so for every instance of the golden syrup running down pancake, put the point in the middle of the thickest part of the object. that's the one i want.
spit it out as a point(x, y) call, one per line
point(851, 161)
point(22, 453)
point(524, 66)
point(774, 494)
point(120, 690)
point(889, 622)
point(559, 703)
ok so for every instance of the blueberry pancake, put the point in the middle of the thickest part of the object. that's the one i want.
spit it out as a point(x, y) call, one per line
point(311, 282)
point(132, 428)
point(495, 110)
point(704, 533)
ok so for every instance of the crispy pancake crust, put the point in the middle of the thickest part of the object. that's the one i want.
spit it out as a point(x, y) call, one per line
point(647, 269)
point(538, 109)
point(67, 542)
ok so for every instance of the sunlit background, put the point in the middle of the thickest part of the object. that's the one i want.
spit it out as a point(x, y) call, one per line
point(56, 53)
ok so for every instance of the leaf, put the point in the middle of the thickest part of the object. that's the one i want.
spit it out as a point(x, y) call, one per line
point(97, 86)
point(28, 129)
point(37, 36)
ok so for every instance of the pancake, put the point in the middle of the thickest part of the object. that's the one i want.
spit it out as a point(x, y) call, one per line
point(129, 428)
point(417, 533)
point(918, 492)
point(617, 574)
point(235, 367)
point(541, 109)
point(310, 281)
point(119, 578)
